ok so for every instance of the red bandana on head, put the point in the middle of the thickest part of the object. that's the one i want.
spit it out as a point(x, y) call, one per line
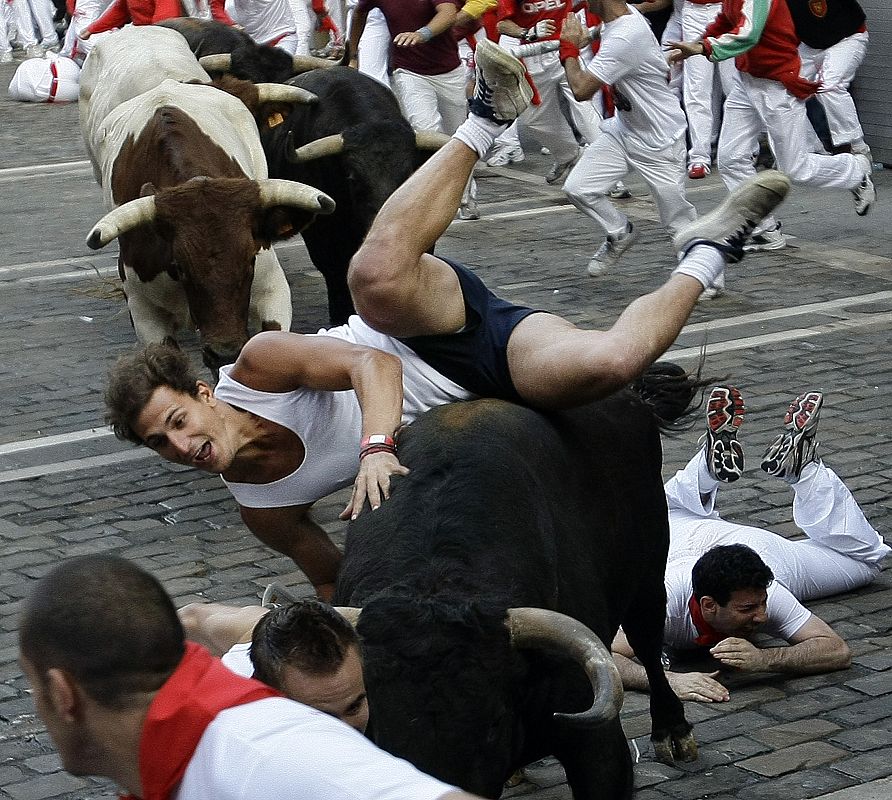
point(199, 689)
point(708, 635)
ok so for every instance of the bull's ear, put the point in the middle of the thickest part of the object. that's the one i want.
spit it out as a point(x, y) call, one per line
point(280, 222)
point(147, 190)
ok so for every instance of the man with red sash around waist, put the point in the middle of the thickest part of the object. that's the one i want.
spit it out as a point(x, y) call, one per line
point(124, 697)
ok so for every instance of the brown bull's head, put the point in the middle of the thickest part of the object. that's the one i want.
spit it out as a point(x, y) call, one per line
point(206, 233)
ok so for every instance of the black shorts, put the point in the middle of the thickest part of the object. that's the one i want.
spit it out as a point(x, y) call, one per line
point(476, 357)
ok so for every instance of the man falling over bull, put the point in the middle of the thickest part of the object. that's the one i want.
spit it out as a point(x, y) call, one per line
point(298, 417)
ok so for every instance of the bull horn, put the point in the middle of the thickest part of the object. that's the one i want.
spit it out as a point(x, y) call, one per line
point(218, 62)
point(283, 93)
point(277, 192)
point(349, 613)
point(122, 219)
point(539, 627)
point(430, 140)
point(319, 148)
point(306, 63)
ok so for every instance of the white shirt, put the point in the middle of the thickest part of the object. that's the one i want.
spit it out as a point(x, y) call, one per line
point(274, 749)
point(630, 60)
point(238, 659)
point(786, 615)
point(330, 423)
point(263, 20)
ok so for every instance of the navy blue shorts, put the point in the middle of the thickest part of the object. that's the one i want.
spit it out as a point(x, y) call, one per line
point(476, 357)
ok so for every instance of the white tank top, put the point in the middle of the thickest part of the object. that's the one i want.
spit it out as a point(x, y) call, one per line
point(329, 424)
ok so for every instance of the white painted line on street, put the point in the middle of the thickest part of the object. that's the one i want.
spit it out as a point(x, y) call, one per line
point(34, 169)
point(27, 473)
point(874, 320)
point(793, 311)
point(51, 441)
point(57, 262)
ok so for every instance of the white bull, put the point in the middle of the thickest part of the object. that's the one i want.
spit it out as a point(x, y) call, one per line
point(185, 177)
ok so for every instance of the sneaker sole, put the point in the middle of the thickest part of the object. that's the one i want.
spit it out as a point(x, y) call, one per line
point(763, 248)
point(724, 453)
point(769, 187)
point(488, 51)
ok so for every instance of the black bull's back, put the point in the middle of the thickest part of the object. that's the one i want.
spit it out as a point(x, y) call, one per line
point(507, 507)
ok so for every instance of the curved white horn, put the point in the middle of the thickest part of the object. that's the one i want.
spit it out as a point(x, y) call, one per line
point(430, 140)
point(218, 62)
point(283, 93)
point(278, 192)
point(326, 146)
point(541, 628)
point(306, 63)
point(126, 217)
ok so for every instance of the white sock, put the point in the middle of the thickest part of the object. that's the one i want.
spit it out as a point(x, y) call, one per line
point(703, 262)
point(479, 133)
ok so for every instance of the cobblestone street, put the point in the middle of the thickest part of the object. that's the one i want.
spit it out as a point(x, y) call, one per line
point(817, 314)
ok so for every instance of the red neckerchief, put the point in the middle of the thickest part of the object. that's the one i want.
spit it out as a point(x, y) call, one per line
point(199, 689)
point(708, 635)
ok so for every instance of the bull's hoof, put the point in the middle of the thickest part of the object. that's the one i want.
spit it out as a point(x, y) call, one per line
point(669, 748)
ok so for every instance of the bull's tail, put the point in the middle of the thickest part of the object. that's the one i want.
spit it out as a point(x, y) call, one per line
point(674, 394)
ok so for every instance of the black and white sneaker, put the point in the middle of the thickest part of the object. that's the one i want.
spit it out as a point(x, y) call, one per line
point(724, 416)
point(728, 226)
point(865, 193)
point(796, 446)
point(502, 92)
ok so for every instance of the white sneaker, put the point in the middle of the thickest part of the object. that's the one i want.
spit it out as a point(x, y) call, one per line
point(619, 191)
point(502, 91)
point(729, 225)
point(610, 252)
point(766, 240)
point(865, 193)
point(559, 168)
point(51, 45)
point(6, 57)
point(504, 156)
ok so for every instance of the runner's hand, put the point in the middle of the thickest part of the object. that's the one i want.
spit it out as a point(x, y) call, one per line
point(698, 686)
point(739, 654)
point(373, 482)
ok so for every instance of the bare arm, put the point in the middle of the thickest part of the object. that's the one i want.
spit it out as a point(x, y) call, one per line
point(292, 531)
point(218, 627)
point(699, 686)
point(443, 19)
point(650, 6)
point(357, 26)
point(276, 361)
point(583, 84)
point(814, 648)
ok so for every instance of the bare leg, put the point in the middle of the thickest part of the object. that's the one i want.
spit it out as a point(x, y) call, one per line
point(555, 364)
point(392, 279)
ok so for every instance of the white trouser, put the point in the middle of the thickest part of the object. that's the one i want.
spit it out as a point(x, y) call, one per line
point(374, 47)
point(432, 102)
point(85, 12)
point(698, 81)
point(835, 68)
point(290, 43)
point(608, 160)
point(546, 122)
point(842, 550)
point(302, 25)
point(20, 16)
point(42, 11)
point(672, 33)
point(758, 104)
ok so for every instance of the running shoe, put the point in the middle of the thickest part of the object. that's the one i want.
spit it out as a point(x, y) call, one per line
point(724, 416)
point(789, 453)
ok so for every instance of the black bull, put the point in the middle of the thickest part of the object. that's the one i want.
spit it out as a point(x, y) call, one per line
point(377, 153)
point(506, 507)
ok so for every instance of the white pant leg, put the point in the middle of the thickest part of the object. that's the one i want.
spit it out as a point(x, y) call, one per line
point(5, 47)
point(601, 165)
point(672, 33)
point(509, 138)
point(839, 65)
point(418, 100)
point(452, 99)
point(374, 47)
point(586, 116)
point(42, 11)
point(20, 14)
point(545, 122)
point(664, 172)
point(697, 82)
point(786, 122)
point(825, 510)
point(302, 25)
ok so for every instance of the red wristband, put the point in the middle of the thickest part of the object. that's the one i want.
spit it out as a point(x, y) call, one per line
point(568, 50)
point(377, 439)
